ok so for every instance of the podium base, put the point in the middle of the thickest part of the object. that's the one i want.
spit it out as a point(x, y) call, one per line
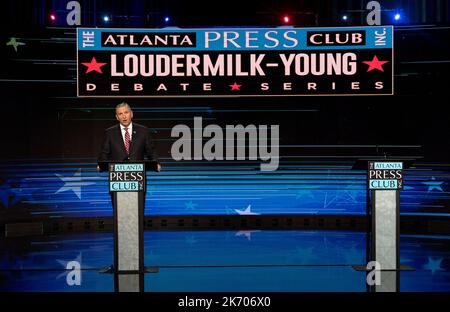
point(151, 269)
point(364, 268)
point(110, 269)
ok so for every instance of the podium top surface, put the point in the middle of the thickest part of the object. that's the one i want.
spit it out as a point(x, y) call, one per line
point(149, 165)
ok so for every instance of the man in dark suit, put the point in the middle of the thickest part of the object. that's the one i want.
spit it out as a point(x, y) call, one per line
point(127, 141)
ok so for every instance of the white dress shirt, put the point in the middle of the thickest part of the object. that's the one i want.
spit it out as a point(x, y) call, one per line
point(130, 131)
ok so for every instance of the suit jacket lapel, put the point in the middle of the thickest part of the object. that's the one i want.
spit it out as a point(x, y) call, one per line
point(133, 138)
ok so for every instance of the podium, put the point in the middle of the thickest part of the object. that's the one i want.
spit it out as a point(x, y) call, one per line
point(384, 182)
point(127, 186)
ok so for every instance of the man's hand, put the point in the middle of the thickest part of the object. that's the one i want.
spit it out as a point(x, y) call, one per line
point(158, 167)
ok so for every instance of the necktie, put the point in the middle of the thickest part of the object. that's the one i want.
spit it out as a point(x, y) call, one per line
point(127, 141)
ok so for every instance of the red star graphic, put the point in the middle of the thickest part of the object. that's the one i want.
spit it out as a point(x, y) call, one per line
point(235, 86)
point(94, 66)
point(375, 64)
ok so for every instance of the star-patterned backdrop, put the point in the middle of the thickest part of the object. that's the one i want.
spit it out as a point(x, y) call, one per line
point(48, 153)
point(54, 190)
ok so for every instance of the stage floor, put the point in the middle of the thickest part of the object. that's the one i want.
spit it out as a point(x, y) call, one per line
point(205, 261)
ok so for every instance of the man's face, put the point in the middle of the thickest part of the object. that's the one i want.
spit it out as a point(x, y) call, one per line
point(124, 115)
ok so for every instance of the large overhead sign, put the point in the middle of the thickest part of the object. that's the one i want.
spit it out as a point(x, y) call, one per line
point(235, 61)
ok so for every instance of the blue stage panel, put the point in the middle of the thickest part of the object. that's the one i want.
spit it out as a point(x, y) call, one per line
point(222, 261)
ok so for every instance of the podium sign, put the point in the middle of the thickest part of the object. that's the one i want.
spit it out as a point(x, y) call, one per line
point(126, 177)
point(385, 175)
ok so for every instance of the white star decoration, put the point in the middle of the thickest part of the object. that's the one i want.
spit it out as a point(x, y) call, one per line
point(73, 183)
point(246, 212)
point(247, 234)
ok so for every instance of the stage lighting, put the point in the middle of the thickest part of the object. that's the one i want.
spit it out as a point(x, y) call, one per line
point(52, 17)
point(344, 18)
point(397, 16)
point(106, 18)
point(166, 19)
point(286, 19)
